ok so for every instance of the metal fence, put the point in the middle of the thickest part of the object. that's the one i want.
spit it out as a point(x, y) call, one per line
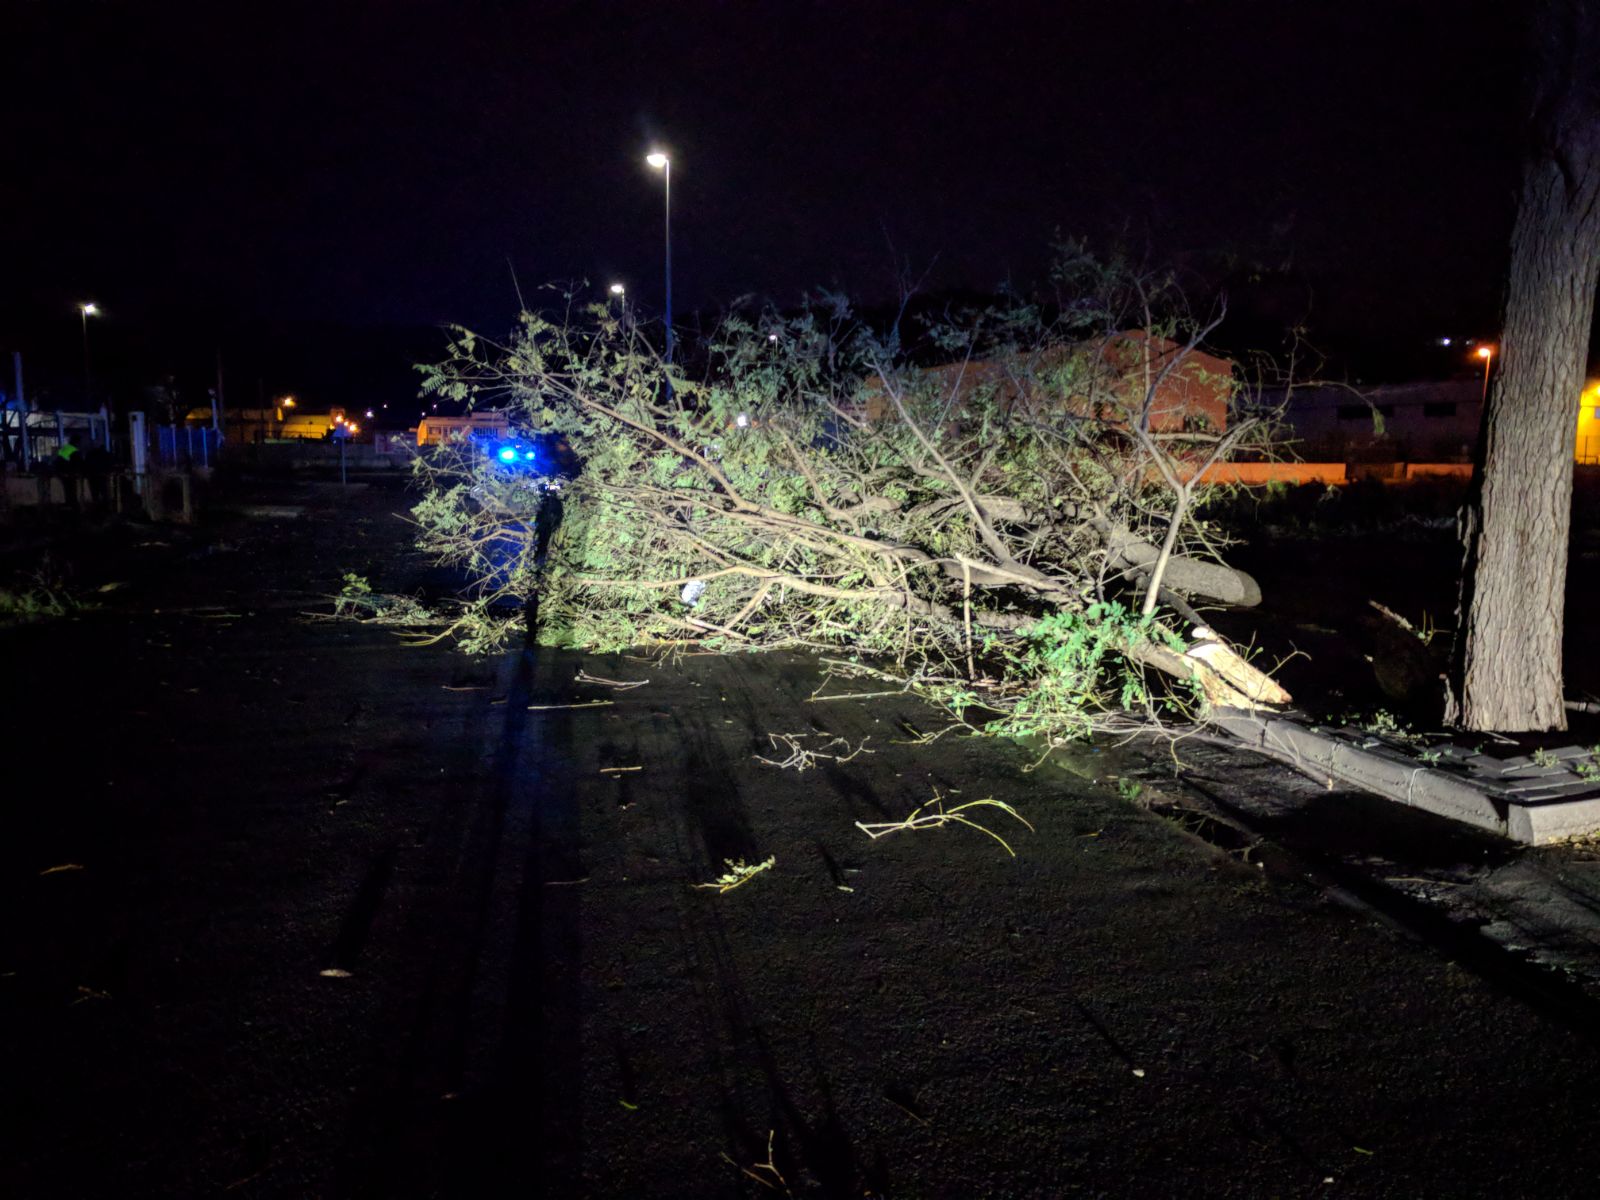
point(186, 446)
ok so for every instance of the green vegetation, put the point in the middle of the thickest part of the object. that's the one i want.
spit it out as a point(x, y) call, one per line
point(41, 597)
point(356, 601)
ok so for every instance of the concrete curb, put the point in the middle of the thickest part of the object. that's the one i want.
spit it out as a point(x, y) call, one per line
point(1529, 802)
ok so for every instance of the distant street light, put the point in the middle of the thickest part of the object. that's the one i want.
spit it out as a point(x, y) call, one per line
point(618, 290)
point(662, 163)
point(85, 311)
point(1487, 354)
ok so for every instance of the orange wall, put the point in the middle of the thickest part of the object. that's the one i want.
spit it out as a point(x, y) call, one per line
point(1250, 473)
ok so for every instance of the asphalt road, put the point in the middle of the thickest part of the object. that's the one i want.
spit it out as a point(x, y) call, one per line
point(293, 910)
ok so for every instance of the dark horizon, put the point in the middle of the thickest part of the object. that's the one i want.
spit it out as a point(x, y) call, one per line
point(305, 187)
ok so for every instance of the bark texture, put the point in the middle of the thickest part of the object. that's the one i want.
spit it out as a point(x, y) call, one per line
point(1516, 529)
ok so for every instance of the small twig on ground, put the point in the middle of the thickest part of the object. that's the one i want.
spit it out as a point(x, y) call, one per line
point(619, 770)
point(766, 1173)
point(1421, 879)
point(943, 816)
point(855, 696)
point(737, 875)
point(803, 760)
point(579, 704)
point(918, 738)
point(618, 684)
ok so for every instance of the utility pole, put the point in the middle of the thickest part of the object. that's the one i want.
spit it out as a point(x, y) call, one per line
point(661, 162)
point(216, 409)
point(85, 311)
point(21, 406)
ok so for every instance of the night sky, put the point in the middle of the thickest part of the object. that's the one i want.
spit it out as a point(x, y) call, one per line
point(306, 186)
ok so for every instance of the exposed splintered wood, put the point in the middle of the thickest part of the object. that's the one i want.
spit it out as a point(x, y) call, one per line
point(1228, 680)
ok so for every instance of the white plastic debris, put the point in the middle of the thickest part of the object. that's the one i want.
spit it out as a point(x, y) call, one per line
point(692, 591)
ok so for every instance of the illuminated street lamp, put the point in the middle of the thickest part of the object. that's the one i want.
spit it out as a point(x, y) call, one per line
point(1487, 354)
point(662, 163)
point(618, 290)
point(85, 311)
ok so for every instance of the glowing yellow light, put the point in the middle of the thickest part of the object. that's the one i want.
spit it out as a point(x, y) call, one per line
point(90, 309)
point(617, 289)
point(1485, 351)
point(657, 160)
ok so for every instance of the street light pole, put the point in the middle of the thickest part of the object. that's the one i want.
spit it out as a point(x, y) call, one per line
point(663, 164)
point(85, 311)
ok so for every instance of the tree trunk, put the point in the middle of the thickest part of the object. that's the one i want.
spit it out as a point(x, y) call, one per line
point(1508, 671)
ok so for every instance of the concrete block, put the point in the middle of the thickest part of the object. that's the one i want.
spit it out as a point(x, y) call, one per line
point(1538, 824)
point(1536, 805)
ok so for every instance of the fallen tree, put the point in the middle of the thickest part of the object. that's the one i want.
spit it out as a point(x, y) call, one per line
point(1017, 528)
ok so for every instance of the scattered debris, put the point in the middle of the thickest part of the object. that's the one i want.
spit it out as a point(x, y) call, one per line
point(803, 760)
point(919, 819)
point(579, 704)
point(63, 867)
point(619, 770)
point(334, 973)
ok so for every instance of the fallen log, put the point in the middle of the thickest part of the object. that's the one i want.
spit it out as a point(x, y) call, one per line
point(1191, 576)
point(1128, 551)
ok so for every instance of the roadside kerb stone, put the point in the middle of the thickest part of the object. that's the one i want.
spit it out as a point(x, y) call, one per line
point(1526, 803)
